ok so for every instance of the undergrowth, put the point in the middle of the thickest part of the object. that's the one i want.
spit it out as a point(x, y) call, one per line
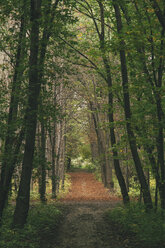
point(42, 223)
point(147, 228)
point(35, 196)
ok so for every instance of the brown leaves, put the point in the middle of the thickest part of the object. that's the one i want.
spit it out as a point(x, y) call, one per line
point(86, 188)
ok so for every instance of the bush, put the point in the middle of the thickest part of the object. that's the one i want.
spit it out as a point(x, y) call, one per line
point(147, 228)
point(41, 222)
point(44, 218)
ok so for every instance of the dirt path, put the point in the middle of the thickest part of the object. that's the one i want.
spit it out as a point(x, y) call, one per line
point(86, 188)
point(84, 225)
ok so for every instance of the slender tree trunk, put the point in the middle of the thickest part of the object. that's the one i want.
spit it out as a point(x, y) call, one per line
point(160, 149)
point(109, 179)
point(160, 118)
point(53, 141)
point(101, 149)
point(160, 114)
point(156, 84)
point(156, 196)
point(58, 157)
point(9, 155)
point(110, 110)
point(131, 136)
point(43, 164)
point(63, 155)
point(22, 203)
point(53, 154)
point(36, 67)
point(127, 177)
point(49, 17)
point(118, 171)
point(109, 160)
point(68, 164)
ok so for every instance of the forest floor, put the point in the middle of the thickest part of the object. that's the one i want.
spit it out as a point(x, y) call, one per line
point(84, 224)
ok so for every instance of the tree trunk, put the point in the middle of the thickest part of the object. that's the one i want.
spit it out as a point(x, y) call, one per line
point(9, 155)
point(36, 67)
point(63, 155)
point(101, 148)
point(68, 164)
point(22, 203)
point(110, 110)
point(109, 160)
point(109, 179)
point(58, 155)
point(131, 136)
point(43, 163)
point(156, 84)
point(53, 154)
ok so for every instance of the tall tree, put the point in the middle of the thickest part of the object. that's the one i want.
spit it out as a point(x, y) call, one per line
point(127, 109)
point(22, 204)
point(36, 67)
point(10, 154)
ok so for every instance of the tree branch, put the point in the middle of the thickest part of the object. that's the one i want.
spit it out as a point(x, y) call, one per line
point(158, 13)
point(84, 56)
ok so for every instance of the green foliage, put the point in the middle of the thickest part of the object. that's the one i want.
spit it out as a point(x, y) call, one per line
point(84, 164)
point(42, 222)
point(44, 218)
point(147, 227)
point(85, 151)
point(89, 166)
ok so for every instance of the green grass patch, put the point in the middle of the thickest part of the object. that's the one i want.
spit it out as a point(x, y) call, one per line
point(147, 228)
point(42, 223)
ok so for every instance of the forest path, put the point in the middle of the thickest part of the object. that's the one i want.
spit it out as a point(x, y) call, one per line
point(84, 225)
point(85, 188)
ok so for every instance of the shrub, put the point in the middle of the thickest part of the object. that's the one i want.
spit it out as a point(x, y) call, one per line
point(148, 228)
point(41, 222)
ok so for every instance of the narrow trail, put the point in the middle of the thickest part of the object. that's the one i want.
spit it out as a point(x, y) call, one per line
point(84, 225)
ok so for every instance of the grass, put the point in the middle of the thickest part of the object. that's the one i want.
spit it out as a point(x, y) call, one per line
point(147, 229)
point(42, 223)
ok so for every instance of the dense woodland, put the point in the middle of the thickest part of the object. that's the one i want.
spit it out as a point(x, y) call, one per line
point(82, 81)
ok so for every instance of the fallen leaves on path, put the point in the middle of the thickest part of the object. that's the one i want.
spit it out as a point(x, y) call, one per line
point(86, 188)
